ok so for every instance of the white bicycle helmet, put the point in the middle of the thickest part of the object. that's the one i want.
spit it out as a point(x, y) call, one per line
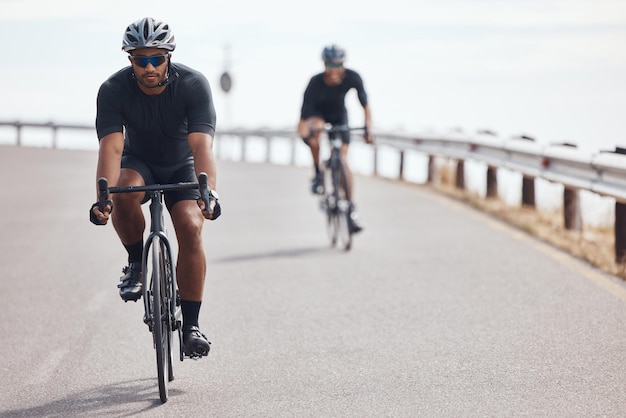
point(148, 33)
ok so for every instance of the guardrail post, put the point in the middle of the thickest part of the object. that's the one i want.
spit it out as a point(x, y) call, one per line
point(528, 182)
point(492, 181)
point(460, 174)
point(54, 136)
point(244, 139)
point(620, 232)
point(431, 169)
point(18, 132)
point(528, 191)
point(572, 219)
point(294, 144)
point(401, 168)
point(268, 149)
point(375, 168)
point(620, 224)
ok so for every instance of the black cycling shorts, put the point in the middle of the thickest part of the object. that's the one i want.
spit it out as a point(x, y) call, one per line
point(182, 172)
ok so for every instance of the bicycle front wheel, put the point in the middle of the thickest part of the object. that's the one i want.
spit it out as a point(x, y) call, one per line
point(329, 205)
point(160, 309)
point(168, 286)
point(342, 212)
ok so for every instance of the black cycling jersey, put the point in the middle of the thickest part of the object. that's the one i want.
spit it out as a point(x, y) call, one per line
point(155, 127)
point(328, 102)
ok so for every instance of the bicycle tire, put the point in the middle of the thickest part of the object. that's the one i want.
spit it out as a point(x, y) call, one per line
point(340, 186)
point(170, 302)
point(159, 327)
point(330, 205)
point(332, 226)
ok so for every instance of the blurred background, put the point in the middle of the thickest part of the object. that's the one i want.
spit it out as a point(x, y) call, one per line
point(551, 69)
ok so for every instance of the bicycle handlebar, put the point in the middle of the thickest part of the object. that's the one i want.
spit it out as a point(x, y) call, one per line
point(329, 128)
point(104, 190)
point(343, 128)
point(103, 193)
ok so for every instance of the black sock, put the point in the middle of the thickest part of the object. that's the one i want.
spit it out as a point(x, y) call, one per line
point(317, 169)
point(191, 310)
point(135, 251)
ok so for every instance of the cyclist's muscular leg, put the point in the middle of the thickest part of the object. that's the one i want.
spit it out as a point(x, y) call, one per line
point(344, 158)
point(354, 224)
point(310, 130)
point(191, 265)
point(190, 273)
point(128, 220)
point(129, 224)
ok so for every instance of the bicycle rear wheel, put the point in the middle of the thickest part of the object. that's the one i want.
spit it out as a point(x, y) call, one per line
point(160, 317)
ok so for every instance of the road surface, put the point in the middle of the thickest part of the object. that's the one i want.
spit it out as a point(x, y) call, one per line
point(438, 310)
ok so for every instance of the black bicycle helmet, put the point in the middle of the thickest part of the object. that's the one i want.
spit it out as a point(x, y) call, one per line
point(334, 54)
point(148, 33)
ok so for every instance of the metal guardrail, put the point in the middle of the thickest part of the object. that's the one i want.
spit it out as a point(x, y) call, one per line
point(55, 127)
point(602, 172)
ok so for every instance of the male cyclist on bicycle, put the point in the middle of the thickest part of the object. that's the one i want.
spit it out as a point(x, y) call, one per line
point(324, 102)
point(155, 123)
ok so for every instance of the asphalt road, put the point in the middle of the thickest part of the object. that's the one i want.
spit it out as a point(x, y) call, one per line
point(438, 310)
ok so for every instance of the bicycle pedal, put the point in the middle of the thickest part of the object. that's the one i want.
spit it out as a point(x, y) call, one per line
point(195, 356)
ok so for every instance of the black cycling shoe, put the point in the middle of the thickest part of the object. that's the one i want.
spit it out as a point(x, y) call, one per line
point(353, 222)
point(317, 184)
point(130, 286)
point(195, 344)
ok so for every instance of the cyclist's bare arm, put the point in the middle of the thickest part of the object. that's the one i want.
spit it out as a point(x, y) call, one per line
point(367, 115)
point(201, 145)
point(109, 157)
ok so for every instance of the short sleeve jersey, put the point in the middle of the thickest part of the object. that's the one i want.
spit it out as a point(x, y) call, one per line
point(155, 127)
point(328, 102)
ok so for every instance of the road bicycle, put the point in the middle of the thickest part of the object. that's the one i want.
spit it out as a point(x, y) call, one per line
point(161, 300)
point(336, 201)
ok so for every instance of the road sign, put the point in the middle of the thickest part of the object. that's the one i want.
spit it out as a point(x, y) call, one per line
point(226, 82)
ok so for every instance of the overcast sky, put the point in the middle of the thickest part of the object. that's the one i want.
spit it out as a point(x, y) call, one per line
point(554, 69)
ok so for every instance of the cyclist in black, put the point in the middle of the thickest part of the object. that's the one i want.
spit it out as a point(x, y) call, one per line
point(324, 102)
point(155, 123)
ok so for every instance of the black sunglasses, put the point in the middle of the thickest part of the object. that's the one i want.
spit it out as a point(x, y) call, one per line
point(155, 60)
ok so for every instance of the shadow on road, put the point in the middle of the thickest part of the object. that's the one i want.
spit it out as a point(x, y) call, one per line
point(291, 252)
point(120, 399)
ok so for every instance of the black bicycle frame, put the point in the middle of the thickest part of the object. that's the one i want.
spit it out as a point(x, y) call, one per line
point(335, 133)
point(157, 228)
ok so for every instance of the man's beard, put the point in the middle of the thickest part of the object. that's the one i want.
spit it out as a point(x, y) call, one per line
point(158, 83)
